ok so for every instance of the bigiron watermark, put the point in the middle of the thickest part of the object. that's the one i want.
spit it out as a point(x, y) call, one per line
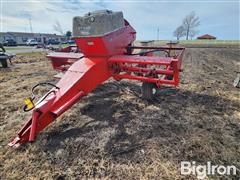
point(202, 171)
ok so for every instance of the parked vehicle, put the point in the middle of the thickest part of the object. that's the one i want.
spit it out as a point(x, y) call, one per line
point(31, 42)
point(10, 42)
point(71, 42)
point(41, 45)
point(53, 42)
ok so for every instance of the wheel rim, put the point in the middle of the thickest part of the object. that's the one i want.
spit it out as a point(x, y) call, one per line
point(154, 90)
point(236, 81)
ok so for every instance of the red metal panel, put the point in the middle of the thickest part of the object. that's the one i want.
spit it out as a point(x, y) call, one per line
point(59, 60)
point(146, 70)
point(147, 79)
point(79, 80)
point(65, 55)
point(109, 44)
point(141, 60)
point(34, 126)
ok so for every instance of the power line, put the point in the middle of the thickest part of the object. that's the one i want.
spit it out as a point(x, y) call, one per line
point(30, 25)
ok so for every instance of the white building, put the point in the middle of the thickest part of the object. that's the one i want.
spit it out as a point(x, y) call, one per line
point(22, 37)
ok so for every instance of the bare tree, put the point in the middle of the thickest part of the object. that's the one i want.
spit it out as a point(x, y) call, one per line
point(57, 27)
point(190, 22)
point(193, 33)
point(179, 32)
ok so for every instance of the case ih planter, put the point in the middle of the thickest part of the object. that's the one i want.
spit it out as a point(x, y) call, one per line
point(105, 40)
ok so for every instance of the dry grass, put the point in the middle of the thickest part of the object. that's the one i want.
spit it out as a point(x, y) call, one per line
point(114, 134)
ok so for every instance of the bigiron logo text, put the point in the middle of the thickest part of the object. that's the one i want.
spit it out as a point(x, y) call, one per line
point(202, 171)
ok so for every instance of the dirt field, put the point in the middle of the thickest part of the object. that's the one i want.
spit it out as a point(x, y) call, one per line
point(114, 134)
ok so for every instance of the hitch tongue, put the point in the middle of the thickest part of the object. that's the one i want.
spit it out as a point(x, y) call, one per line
point(14, 143)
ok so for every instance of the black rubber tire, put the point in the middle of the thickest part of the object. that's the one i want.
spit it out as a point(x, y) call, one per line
point(149, 90)
point(170, 77)
point(4, 63)
point(129, 51)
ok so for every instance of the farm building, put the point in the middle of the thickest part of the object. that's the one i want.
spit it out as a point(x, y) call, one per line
point(22, 37)
point(207, 36)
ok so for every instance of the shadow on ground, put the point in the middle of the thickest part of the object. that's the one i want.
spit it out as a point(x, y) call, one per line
point(179, 124)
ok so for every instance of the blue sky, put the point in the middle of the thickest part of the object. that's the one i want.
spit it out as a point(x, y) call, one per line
point(219, 18)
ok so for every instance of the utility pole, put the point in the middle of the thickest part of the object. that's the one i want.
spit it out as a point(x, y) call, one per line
point(158, 33)
point(30, 25)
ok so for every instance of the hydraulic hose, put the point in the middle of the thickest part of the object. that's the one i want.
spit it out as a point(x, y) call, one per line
point(25, 108)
